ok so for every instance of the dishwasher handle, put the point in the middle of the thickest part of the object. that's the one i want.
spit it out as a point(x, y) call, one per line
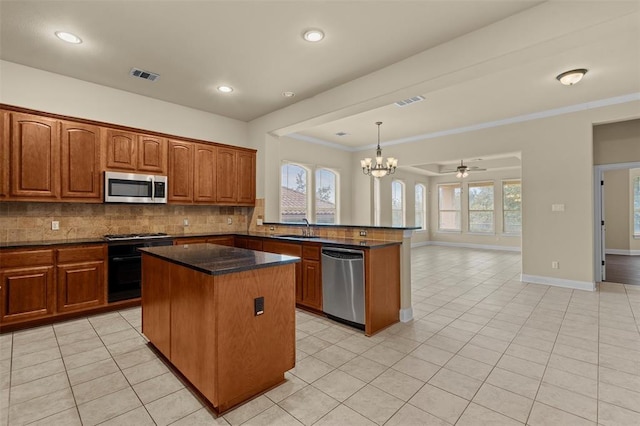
point(343, 253)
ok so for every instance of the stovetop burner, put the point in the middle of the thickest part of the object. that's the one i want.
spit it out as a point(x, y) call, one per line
point(144, 236)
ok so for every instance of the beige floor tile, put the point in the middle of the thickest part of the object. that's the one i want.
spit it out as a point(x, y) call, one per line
point(527, 353)
point(398, 384)
point(456, 333)
point(383, 355)
point(576, 353)
point(68, 417)
point(333, 334)
point(544, 415)
point(37, 371)
point(101, 386)
point(312, 344)
point(81, 346)
point(488, 342)
point(374, 404)
point(335, 355)
point(273, 416)
point(363, 368)
point(417, 368)
point(612, 415)
point(308, 405)
point(469, 367)
point(401, 344)
point(619, 378)
point(620, 363)
point(39, 387)
point(30, 346)
point(569, 401)
point(311, 369)
point(128, 345)
point(202, 417)
point(441, 404)
point(145, 371)
point(477, 415)
point(248, 410)
point(356, 343)
point(514, 382)
point(85, 358)
point(445, 343)
point(172, 407)
point(432, 354)
point(41, 407)
point(291, 385)
point(621, 397)
point(28, 360)
point(120, 336)
point(456, 383)
point(477, 353)
point(343, 415)
point(137, 416)
point(339, 385)
point(411, 415)
point(157, 387)
point(92, 371)
point(76, 337)
point(133, 358)
point(573, 382)
point(107, 407)
point(504, 402)
point(581, 368)
point(70, 327)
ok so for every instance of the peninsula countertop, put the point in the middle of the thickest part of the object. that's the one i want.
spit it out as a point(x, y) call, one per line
point(213, 259)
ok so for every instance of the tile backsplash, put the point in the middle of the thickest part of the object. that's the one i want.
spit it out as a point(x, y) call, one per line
point(20, 221)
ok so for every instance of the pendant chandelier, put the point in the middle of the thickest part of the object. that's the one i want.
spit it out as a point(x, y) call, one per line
point(377, 169)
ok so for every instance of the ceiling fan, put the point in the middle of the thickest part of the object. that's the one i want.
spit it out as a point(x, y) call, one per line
point(462, 171)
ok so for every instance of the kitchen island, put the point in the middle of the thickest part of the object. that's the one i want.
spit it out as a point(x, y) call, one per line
point(224, 317)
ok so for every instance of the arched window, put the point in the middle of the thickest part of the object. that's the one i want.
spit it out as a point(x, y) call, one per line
point(397, 203)
point(326, 205)
point(294, 200)
point(421, 206)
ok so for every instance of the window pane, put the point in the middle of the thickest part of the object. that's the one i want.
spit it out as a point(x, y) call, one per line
point(636, 205)
point(449, 207)
point(512, 207)
point(511, 195)
point(512, 222)
point(449, 220)
point(326, 207)
point(481, 221)
point(421, 207)
point(481, 207)
point(293, 198)
point(397, 203)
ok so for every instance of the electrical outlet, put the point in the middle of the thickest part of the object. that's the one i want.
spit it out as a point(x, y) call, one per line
point(55, 225)
point(555, 264)
point(259, 222)
point(272, 228)
point(185, 221)
point(229, 220)
point(363, 233)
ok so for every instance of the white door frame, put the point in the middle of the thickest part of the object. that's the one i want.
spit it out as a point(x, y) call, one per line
point(598, 205)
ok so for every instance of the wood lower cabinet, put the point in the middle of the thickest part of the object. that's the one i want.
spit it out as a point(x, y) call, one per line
point(80, 160)
point(81, 277)
point(291, 249)
point(311, 277)
point(34, 157)
point(249, 243)
point(27, 285)
point(180, 172)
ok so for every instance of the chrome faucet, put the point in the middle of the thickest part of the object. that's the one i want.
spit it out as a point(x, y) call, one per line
point(306, 232)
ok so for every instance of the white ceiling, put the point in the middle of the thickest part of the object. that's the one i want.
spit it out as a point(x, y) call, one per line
point(475, 62)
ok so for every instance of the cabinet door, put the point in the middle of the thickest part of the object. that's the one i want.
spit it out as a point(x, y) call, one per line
point(246, 177)
point(80, 286)
point(204, 185)
point(152, 154)
point(27, 293)
point(80, 163)
point(121, 150)
point(34, 157)
point(180, 172)
point(311, 284)
point(226, 179)
point(221, 241)
point(4, 153)
point(291, 250)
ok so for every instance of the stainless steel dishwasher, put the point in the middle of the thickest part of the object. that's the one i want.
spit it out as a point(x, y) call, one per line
point(343, 285)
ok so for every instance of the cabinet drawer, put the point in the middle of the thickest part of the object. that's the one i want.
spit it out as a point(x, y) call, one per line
point(282, 248)
point(311, 252)
point(19, 259)
point(80, 254)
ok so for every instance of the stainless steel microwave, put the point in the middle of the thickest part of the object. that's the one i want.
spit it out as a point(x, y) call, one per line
point(134, 188)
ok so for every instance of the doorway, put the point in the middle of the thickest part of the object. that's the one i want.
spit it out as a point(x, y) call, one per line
point(617, 246)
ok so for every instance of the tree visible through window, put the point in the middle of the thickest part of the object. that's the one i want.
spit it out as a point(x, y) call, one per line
point(512, 206)
point(326, 184)
point(481, 207)
point(449, 207)
point(636, 206)
point(421, 206)
point(397, 203)
point(293, 193)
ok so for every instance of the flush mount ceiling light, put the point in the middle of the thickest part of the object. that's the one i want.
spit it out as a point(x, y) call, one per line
point(569, 78)
point(288, 94)
point(378, 170)
point(313, 35)
point(225, 89)
point(68, 37)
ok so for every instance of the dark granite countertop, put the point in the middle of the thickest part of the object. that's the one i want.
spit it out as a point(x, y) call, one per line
point(46, 243)
point(332, 225)
point(213, 259)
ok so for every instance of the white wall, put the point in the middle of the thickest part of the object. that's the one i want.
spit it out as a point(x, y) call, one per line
point(44, 91)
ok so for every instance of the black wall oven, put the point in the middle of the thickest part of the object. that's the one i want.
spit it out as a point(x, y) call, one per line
point(125, 265)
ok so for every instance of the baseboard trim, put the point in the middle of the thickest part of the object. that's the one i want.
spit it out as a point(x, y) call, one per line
point(475, 246)
point(558, 282)
point(421, 244)
point(623, 252)
point(406, 314)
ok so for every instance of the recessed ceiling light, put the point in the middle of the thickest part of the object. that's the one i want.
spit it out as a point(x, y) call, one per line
point(68, 37)
point(225, 89)
point(569, 78)
point(288, 94)
point(313, 35)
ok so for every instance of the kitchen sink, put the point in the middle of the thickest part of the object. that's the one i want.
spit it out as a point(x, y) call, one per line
point(297, 236)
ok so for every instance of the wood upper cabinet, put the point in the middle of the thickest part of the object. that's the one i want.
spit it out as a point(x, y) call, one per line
point(246, 177)
point(4, 154)
point(27, 285)
point(80, 160)
point(81, 277)
point(204, 174)
point(122, 150)
point(180, 171)
point(226, 175)
point(34, 156)
point(152, 154)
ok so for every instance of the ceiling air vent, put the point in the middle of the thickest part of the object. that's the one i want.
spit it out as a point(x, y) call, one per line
point(147, 75)
point(412, 100)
